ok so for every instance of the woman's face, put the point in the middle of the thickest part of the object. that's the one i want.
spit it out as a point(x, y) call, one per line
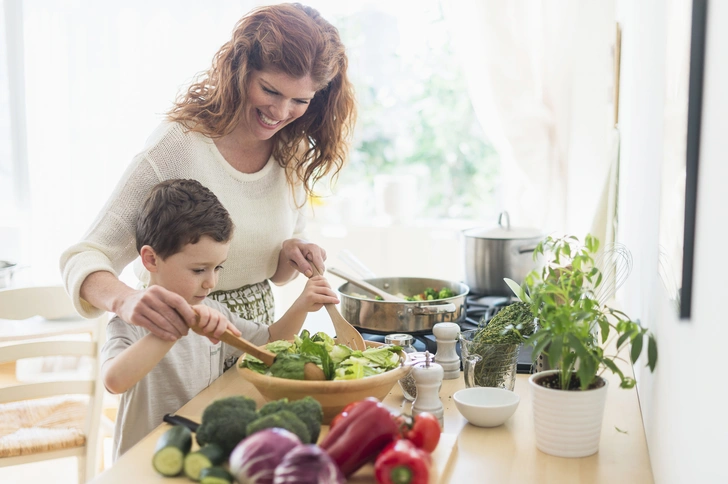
point(275, 100)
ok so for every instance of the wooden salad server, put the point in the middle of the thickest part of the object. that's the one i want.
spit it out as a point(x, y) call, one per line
point(346, 334)
point(311, 371)
point(366, 286)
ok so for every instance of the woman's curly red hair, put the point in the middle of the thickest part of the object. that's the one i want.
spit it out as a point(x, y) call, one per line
point(293, 39)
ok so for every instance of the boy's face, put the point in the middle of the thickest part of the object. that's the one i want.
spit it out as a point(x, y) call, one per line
point(192, 272)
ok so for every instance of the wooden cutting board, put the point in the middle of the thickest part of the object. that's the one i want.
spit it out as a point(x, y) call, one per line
point(442, 459)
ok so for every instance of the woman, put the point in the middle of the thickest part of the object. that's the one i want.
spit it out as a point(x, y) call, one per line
point(270, 118)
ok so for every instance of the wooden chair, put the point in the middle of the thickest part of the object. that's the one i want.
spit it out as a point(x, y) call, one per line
point(50, 419)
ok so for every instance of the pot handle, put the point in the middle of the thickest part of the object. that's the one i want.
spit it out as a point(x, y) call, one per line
point(526, 249)
point(434, 309)
point(503, 214)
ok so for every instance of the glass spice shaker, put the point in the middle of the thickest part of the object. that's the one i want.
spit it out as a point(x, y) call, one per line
point(407, 384)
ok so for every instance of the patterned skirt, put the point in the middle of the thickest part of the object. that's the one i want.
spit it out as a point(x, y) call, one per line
point(253, 302)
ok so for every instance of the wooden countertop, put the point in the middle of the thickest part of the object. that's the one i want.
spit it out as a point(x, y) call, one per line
point(505, 454)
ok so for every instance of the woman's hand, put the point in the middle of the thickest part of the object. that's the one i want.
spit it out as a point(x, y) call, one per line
point(164, 313)
point(211, 323)
point(298, 255)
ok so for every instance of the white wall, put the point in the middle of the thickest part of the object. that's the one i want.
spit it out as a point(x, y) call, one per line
point(683, 403)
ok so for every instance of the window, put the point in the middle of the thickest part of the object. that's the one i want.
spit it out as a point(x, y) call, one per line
point(418, 149)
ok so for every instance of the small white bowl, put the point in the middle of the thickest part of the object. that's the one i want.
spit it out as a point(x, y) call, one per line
point(486, 406)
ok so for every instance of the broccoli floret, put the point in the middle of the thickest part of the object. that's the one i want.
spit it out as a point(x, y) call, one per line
point(309, 411)
point(284, 420)
point(225, 422)
point(273, 407)
point(445, 293)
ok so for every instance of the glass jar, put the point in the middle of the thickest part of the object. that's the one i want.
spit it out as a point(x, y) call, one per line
point(488, 365)
point(406, 341)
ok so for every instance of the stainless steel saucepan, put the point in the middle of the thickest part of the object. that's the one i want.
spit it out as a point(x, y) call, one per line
point(359, 307)
point(496, 253)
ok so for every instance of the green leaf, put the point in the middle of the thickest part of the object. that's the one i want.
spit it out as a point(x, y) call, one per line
point(636, 348)
point(308, 347)
point(569, 361)
point(651, 353)
point(555, 351)
point(620, 430)
point(613, 366)
point(627, 383)
point(517, 290)
point(579, 348)
point(622, 339)
point(538, 349)
point(592, 243)
point(604, 329)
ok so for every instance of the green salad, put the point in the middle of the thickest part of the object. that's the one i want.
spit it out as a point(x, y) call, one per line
point(338, 362)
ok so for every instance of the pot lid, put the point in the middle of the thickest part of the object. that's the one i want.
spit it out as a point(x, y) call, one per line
point(504, 231)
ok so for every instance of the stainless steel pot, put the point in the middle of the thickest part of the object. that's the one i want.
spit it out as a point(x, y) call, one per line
point(496, 253)
point(361, 309)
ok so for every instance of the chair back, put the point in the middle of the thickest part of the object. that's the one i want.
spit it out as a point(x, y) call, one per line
point(50, 303)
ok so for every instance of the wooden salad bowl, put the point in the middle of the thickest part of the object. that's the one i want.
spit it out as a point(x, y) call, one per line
point(333, 395)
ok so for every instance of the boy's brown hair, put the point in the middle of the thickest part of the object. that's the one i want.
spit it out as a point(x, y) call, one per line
point(179, 212)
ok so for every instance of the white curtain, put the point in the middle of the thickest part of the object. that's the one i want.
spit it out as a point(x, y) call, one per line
point(99, 76)
point(540, 76)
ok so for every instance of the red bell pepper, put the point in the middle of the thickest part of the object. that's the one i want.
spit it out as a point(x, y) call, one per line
point(359, 435)
point(423, 430)
point(401, 462)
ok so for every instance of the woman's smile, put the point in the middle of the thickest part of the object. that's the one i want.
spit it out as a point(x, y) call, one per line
point(266, 121)
point(276, 100)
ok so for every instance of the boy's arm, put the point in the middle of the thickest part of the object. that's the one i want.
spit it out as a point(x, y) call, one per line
point(289, 324)
point(123, 371)
point(316, 293)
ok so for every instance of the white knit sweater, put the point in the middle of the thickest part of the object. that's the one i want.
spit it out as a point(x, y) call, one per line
point(261, 206)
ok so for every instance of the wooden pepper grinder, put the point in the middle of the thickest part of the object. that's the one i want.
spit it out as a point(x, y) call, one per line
point(447, 336)
point(428, 378)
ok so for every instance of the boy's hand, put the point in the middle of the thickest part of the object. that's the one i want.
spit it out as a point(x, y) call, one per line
point(316, 293)
point(212, 323)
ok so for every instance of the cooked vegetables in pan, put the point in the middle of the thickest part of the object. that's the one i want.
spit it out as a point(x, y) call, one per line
point(428, 294)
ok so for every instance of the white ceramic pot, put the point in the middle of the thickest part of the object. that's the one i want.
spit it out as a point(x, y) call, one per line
point(567, 423)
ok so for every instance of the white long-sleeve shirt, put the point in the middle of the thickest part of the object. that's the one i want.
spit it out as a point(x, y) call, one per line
point(190, 366)
point(261, 206)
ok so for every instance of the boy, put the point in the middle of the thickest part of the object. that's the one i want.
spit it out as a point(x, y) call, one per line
point(182, 235)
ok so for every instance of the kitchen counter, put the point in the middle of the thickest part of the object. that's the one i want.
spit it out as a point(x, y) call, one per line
point(505, 454)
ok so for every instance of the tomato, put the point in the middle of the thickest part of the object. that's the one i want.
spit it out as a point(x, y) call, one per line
point(423, 430)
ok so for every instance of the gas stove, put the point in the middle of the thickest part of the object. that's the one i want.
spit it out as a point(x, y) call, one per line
point(477, 308)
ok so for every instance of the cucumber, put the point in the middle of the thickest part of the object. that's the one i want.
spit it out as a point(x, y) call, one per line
point(215, 475)
point(207, 456)
point(171, 449)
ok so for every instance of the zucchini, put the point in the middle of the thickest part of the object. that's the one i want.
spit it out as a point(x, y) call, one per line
point(215, 475)
point(207, 456)
point(171, 449)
